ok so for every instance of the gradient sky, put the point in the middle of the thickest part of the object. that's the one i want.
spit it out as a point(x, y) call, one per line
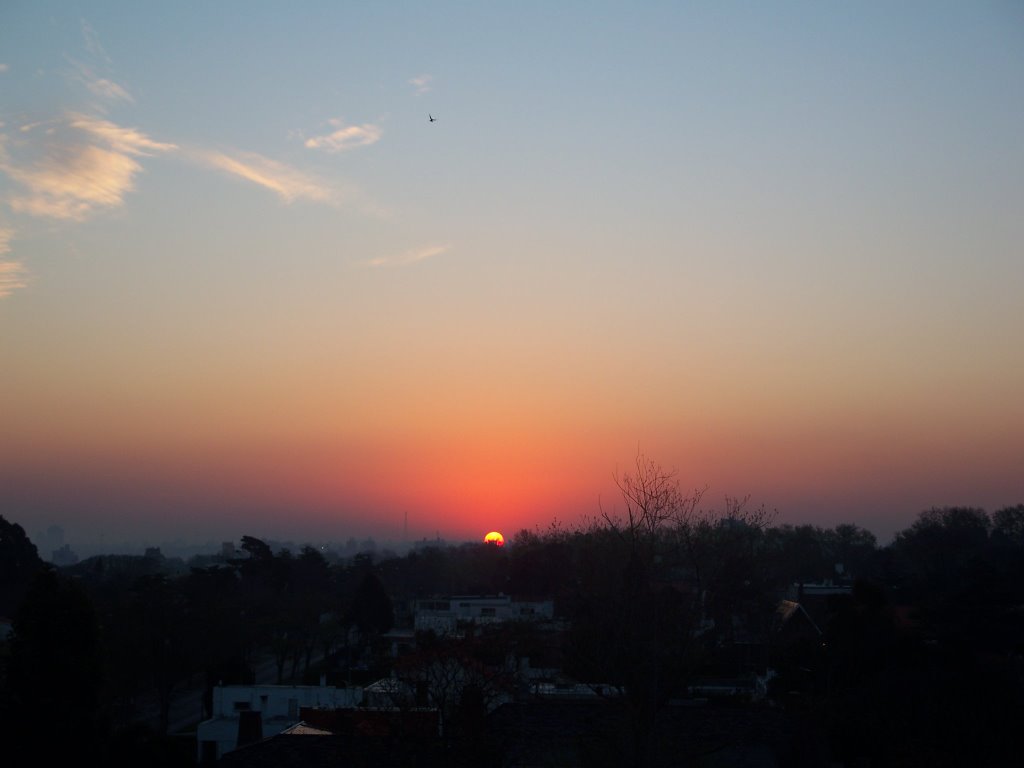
point(247, 288)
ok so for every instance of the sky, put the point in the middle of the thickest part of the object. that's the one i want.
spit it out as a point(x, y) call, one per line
point(247, 287)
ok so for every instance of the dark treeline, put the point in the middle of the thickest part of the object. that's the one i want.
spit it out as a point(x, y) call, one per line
point(921, 662)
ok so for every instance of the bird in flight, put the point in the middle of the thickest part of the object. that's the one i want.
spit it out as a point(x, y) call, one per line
point(432, 118)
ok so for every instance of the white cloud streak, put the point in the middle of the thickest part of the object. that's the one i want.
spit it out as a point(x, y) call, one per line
point(345, 137)
point(85, 164)
point(129, 141)
point(421, 82)
point(289, 183)
point(409, 257)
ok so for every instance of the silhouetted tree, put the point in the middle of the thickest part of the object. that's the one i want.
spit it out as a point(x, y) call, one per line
point(214, 619)
point(652, 500)
point(800, 554)
point(311, 595)
point(371, 610)
point(19, 564)
point(258, 549)
point(160, 632)
point(1008, 526)
point(480, 569)
point(541, 565)
point(261, 592)
point(715, 547)
point(938, 549)
point(631, 629)
point(55, 675)
point(853, 548)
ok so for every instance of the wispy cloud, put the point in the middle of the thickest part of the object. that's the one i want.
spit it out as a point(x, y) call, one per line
point(108, 89)
point(75, 182)
point(100, 87)
point(81, 164)
point(421, 82)
point(409, 257)
point(3, 68)
point(130, 141)
point(345, 137)
point(29, 127)
point(92, 43)
point(12, 273)
point(12, 277)
point(289, 183)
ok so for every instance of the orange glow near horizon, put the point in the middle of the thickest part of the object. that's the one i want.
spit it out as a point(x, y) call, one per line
point(458, 477)
point(494, 538)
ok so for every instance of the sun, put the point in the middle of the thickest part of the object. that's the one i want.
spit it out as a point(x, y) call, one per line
point(494, 538)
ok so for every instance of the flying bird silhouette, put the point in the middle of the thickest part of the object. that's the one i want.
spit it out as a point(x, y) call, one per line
point(432, 118)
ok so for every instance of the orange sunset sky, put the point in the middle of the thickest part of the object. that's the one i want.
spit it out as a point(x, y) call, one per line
point(247, 287)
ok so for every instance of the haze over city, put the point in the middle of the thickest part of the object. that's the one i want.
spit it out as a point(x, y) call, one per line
point(249, 286)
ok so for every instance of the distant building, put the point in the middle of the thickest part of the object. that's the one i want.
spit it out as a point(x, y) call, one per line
point(64, 555)
point(802, 592)
point(564, 689)
point(444, 614)
point(50, 540)
point(399, 641)
point(814, 600)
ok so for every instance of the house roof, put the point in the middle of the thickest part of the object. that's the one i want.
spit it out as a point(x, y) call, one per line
point(289, 749)
point(787, 610)
point(306, 746)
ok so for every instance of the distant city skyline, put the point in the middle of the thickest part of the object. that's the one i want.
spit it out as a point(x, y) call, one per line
point(248, 287)
point(93, 546)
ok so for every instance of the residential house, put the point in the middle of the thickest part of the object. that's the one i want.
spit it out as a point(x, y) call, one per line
point(244, 713)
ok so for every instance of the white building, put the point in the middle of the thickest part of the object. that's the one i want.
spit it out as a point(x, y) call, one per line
point(443, 614)
point(277, 706)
